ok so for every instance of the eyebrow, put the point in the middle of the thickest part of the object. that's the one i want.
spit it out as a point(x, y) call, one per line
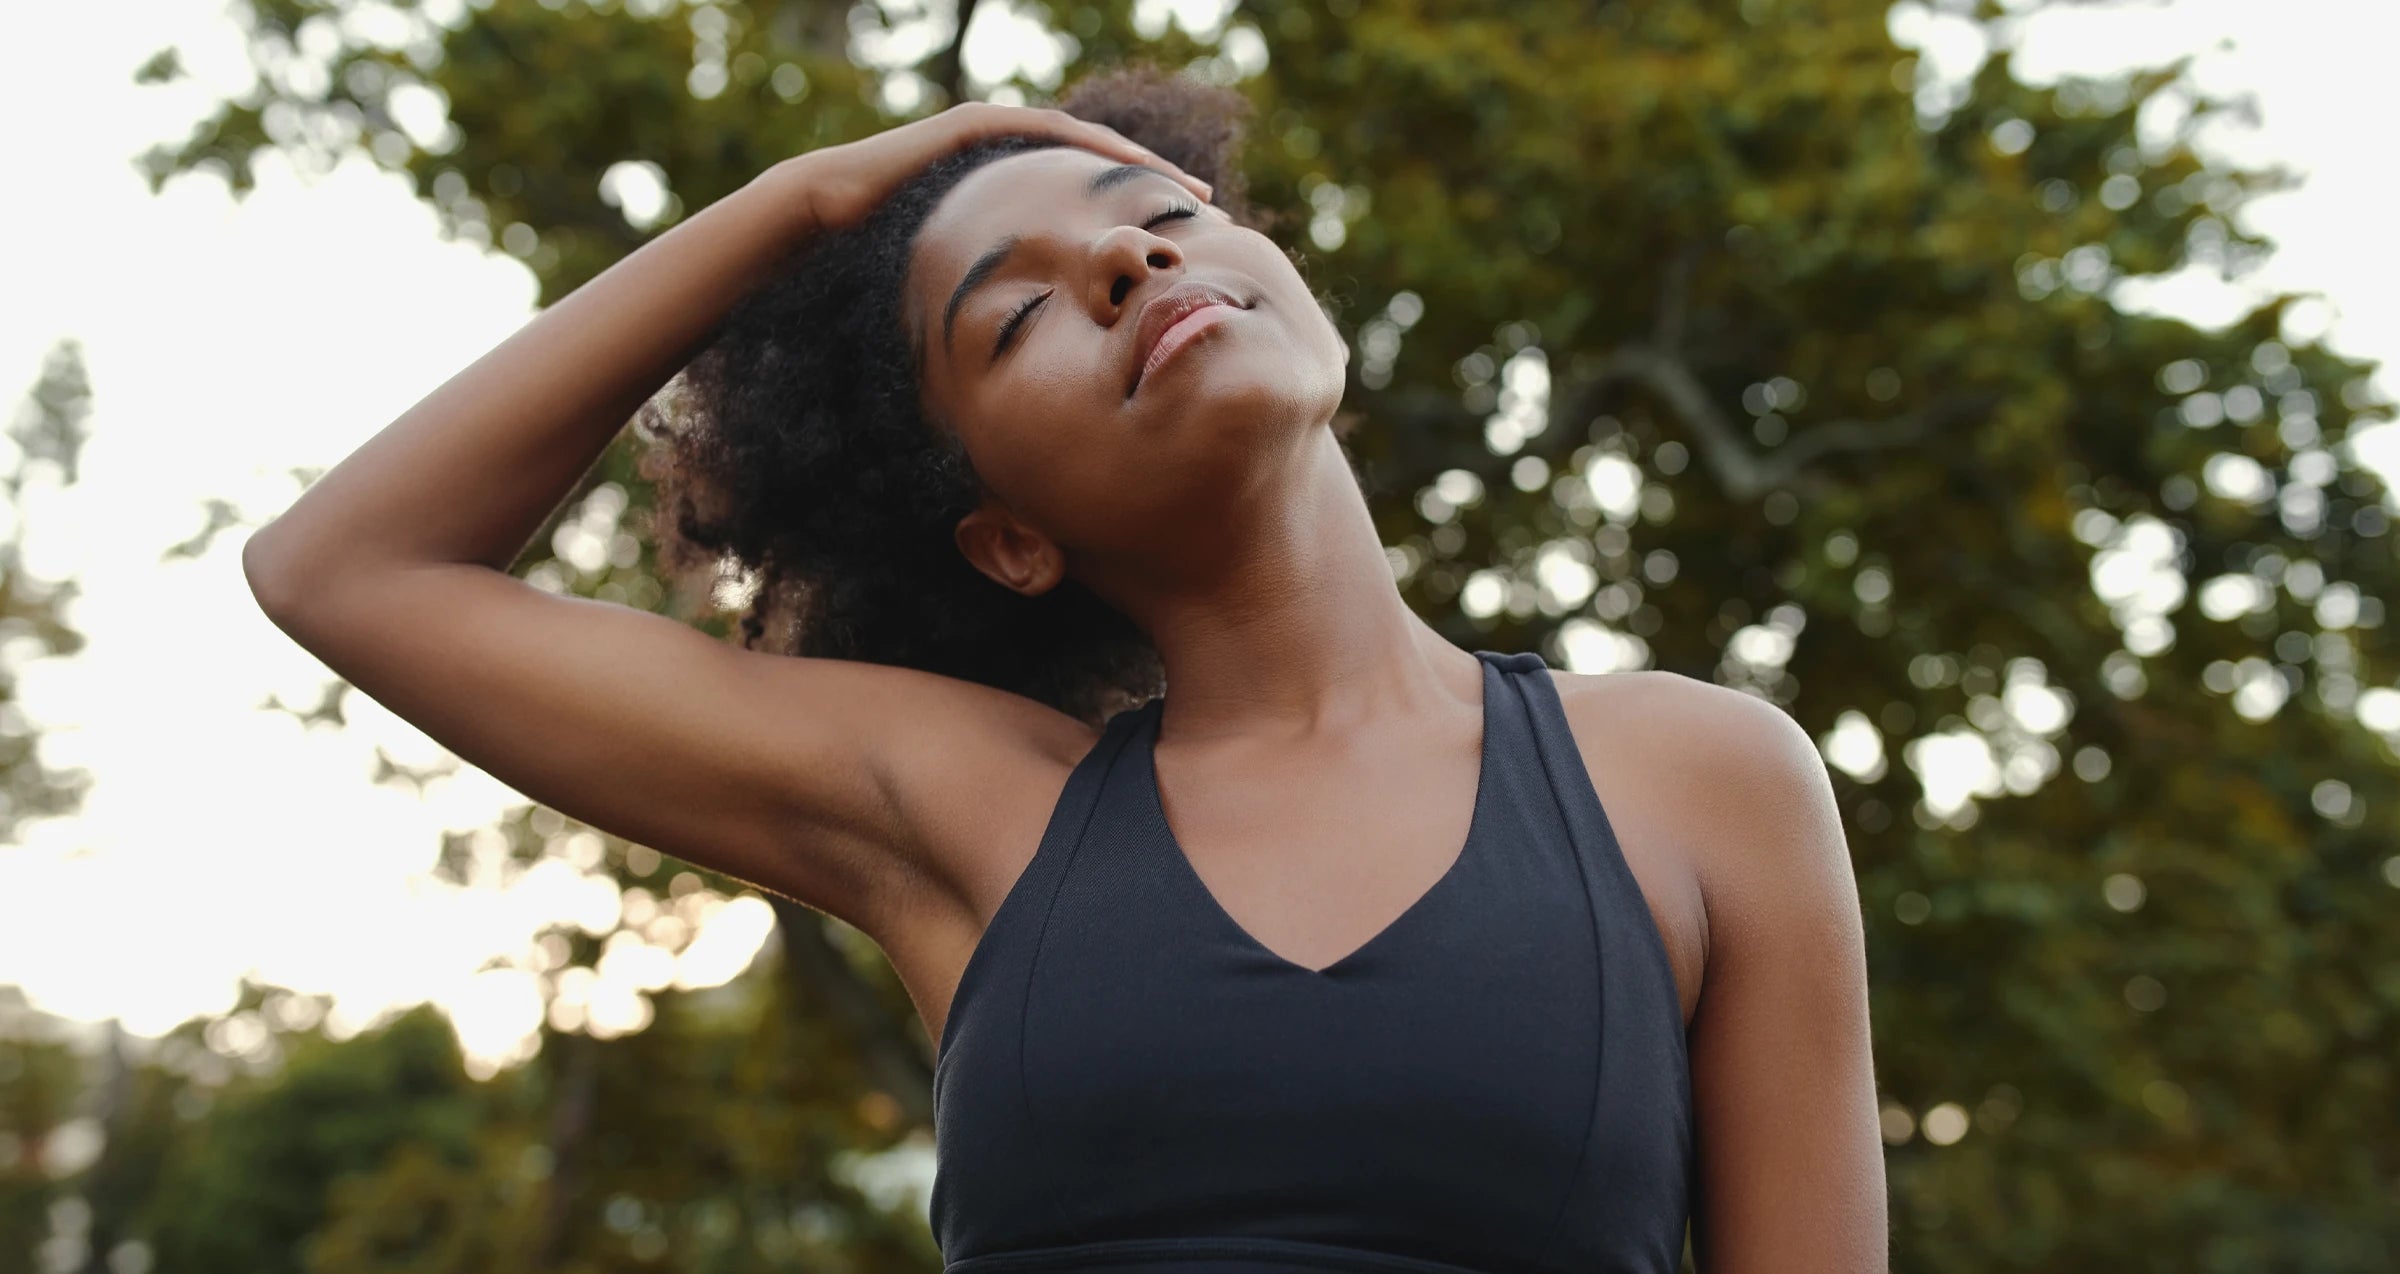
point(989, 263)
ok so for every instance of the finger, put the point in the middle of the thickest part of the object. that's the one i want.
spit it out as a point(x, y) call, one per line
point(1109, 141)
point(1207, 193)
point(1125, 147)
point(1099, 138)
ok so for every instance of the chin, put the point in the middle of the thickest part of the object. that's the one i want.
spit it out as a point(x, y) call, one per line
point(1261, 409)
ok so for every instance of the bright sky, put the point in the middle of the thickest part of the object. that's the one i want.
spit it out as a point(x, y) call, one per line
point(228, 343)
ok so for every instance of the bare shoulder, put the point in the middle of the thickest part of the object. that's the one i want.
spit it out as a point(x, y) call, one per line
point(1703, 784)
point(1702, 712)
point(1779, 1042)
point(1733, 745)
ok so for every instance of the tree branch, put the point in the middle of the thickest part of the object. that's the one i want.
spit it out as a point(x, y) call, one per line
point(574, 1088)
point(1743, 472)
point(1674, 300)
point(949, 68)
point(1429, 430)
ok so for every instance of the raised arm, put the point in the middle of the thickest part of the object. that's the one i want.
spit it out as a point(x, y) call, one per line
point(805, 776)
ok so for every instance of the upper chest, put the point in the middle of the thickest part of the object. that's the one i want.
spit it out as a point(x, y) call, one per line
point(1314, 860)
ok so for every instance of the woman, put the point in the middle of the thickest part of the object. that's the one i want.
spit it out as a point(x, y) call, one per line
point(1331, 958)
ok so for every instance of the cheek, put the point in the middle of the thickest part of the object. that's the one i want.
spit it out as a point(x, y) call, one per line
point(1020, 450)
point(1064, 369)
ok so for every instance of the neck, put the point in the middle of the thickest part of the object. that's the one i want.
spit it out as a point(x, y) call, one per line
point(1293, 626)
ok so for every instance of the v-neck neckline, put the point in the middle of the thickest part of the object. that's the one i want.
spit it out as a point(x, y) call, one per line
point(1147, 752)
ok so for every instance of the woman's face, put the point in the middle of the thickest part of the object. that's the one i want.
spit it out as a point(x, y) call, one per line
point(1103, 424)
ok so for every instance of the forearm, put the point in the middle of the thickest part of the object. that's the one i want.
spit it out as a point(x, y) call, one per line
point(471, 471)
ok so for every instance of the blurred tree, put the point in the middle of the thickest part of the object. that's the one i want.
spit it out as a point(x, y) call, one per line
point(249, 1183)
point(57, 1096)
point(45, 445)
point(1719, 338)
point(41, 1080)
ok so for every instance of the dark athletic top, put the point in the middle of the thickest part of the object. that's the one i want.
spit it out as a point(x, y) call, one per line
point(1495, 1082)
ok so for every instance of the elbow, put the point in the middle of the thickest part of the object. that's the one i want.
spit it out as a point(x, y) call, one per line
point(265, 569)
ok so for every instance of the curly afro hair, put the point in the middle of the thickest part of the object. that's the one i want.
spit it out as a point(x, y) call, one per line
point(792, 452)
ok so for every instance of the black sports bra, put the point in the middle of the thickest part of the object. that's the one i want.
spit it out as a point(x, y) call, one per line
point(1495, 1082)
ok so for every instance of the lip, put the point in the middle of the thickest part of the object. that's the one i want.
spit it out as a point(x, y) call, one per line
point(1164, 311)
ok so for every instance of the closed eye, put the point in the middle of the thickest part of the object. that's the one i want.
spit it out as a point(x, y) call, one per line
point(1016, 320)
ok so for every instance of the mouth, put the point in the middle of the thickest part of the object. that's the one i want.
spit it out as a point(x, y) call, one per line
point(1173, 319)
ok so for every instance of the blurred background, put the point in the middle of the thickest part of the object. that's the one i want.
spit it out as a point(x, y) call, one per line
point(1995, 386)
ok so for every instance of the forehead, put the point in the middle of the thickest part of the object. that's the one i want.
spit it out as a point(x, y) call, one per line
point(1007, 195)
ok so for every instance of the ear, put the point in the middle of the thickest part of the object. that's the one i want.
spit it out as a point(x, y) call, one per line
point(1008, 551)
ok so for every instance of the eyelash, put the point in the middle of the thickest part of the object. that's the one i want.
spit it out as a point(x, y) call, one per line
point(1008, 329)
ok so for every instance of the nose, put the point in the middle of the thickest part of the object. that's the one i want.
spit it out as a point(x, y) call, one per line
point(1122, 260)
